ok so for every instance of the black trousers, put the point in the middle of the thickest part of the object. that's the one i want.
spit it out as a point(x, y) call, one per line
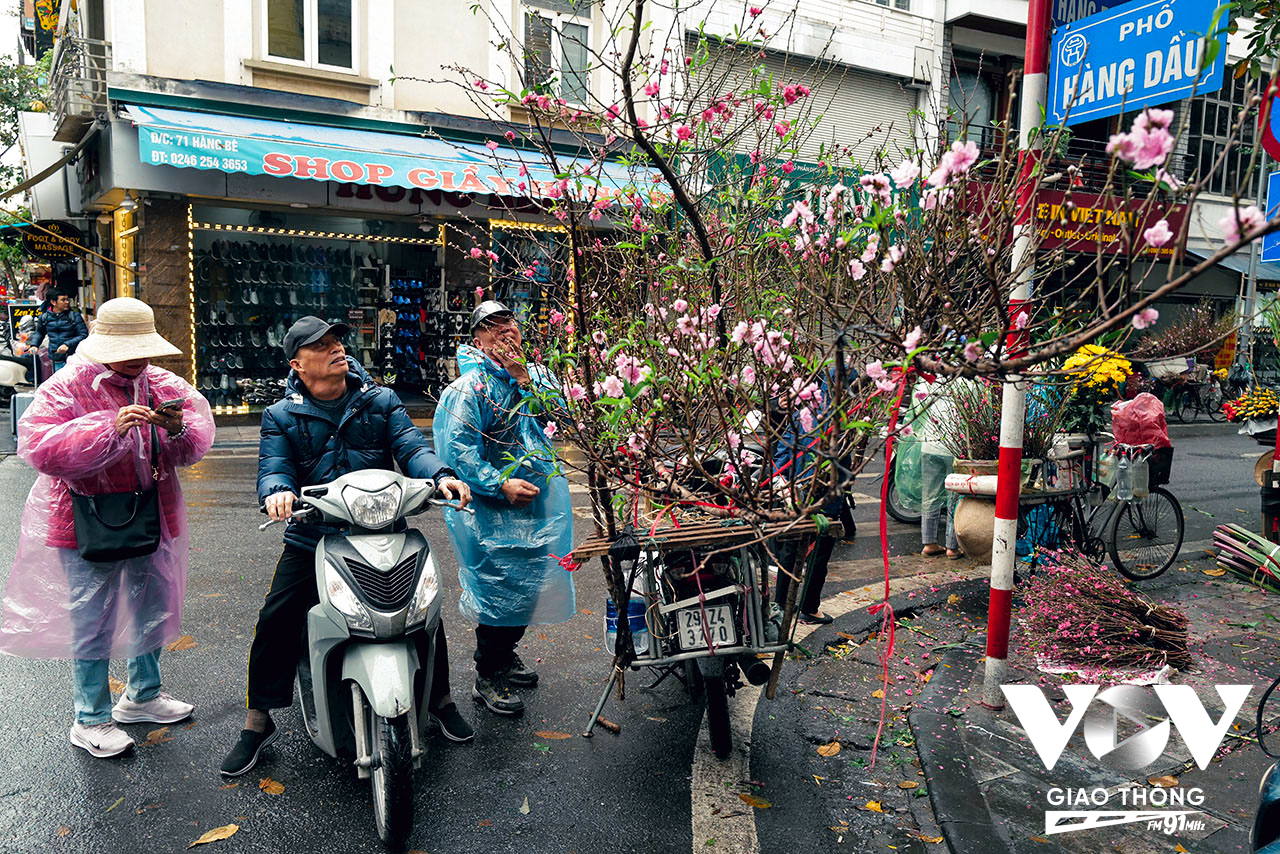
point(495, 647)
point(280, 637)
point(793, 559)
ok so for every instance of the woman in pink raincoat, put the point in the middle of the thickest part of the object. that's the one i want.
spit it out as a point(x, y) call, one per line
point(89, 430)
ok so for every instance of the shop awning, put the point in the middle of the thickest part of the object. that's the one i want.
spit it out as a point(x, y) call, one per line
point(1238, 262)
point(248, 146)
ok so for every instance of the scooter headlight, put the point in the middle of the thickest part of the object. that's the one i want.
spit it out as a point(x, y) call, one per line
point(342, 597)
point(373, 510)
point(426, 593)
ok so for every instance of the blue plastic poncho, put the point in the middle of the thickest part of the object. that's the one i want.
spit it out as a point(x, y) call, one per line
point(488, 430)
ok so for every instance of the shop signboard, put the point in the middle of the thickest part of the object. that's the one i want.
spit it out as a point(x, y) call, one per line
point(1270, 128)
point(1093, 221)
point(1271, 243)
point(1140, 53)
point(18, 309)
point(53, 240)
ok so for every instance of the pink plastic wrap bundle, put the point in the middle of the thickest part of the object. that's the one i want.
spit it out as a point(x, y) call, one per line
point(57, 605)
point(1140, 422)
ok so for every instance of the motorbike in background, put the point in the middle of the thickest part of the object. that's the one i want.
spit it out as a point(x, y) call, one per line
point(365, 680)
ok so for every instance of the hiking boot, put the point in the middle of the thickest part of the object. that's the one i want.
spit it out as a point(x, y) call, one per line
point(495, 693)
point(101, 740)
point(520, 675)
point(247, 750)
point(160, 709)
point(451, 723)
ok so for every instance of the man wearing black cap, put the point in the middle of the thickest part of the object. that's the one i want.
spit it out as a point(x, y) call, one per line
point(493, 426)
point(332, 420)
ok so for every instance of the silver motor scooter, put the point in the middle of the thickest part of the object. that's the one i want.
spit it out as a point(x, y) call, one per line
point(363, 686)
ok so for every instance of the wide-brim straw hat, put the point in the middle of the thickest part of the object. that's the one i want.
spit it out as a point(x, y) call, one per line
point(125, 329)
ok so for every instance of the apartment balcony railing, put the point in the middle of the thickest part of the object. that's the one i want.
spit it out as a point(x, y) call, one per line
point(78, 86)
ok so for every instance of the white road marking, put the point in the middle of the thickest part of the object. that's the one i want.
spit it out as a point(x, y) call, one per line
point(716, 811)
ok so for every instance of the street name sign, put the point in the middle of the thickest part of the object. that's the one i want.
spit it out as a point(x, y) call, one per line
point(1066, 11)
point(1271, 243)
point(1140, 53)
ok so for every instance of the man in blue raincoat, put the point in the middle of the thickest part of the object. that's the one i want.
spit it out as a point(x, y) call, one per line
point(493, 427)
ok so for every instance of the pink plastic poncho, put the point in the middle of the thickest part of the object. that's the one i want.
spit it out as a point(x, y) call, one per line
point(1140, 421)
point(57, 605)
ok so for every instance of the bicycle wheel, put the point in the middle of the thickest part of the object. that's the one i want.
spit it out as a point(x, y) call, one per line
point(1144, 535)
point(1214, 401)
point(1188, 406)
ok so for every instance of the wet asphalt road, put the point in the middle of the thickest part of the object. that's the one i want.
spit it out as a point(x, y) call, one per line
point(614, 793)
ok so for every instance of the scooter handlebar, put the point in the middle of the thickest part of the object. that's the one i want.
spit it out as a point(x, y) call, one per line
point(300, 512)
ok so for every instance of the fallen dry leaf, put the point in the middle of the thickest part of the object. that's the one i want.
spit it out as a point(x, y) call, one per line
point(846, 636)
point(271, 787)
point(829, 749)
point(542, 635)
point(1039, 839)
point(953, 599)
point(229, 786)
point(875, 806)
point(1216, 573)
point(586, 612)
point(116, 686)
point(932, 840)
point(63, 830)
point(552, 735)
point(908, 784)
point(1180, 849)
point(524, 807)
point(225, 832)
point(1166, 782)
point(485, 822)
point(184, 642)
point(753, 801)
point(157, 736)
point(878, 693)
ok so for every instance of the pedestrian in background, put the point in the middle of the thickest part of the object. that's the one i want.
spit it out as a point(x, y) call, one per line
point(110, 425)
point(493, 427)
point(932, 414)
point(63, 327)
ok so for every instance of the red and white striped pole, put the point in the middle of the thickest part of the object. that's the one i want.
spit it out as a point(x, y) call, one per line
point(1014, 396)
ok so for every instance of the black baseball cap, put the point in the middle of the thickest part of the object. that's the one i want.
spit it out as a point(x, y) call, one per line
point(309, 330)
point(488, 309)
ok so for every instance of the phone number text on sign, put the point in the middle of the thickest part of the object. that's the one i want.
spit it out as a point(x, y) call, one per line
point(198, 161)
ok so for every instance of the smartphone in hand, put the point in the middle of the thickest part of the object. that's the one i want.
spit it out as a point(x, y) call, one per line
point(176, 403)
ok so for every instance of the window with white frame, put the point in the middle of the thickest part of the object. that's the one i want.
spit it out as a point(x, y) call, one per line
point(316, 33)
point(1211, 135)
point(904, 5)
point(557, 58)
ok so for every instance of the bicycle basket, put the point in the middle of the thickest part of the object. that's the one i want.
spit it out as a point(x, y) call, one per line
point(1160, 466)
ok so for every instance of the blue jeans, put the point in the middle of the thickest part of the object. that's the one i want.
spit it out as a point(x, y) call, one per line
point(93, 619)
point(93, 696)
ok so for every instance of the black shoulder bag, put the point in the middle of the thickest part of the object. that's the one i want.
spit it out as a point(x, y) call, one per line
point(119, 525)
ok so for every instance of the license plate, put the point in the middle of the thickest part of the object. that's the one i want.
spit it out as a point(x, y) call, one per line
point(719, 627)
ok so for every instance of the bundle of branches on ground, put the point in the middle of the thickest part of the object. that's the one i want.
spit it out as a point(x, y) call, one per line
point(1249, 555)
point(1078, 612)
point(1196, 331)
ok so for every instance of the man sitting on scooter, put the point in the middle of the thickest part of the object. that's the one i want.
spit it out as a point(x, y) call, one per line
point(63, 327)
point(332, 421)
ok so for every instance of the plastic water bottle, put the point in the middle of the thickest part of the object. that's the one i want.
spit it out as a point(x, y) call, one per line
point(635, 616)
point(1124, 479)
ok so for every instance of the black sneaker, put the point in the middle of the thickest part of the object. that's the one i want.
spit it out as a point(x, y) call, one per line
point(519, 675)
point(247, 750)
point(495, 693)
point(451, 723)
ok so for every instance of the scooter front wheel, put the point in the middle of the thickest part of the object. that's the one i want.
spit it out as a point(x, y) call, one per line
point(392, 779)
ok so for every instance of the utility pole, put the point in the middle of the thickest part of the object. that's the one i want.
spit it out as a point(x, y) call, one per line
point(1013, 402)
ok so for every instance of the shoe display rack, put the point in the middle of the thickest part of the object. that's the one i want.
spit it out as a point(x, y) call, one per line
point(247, 294)
point(420, 346)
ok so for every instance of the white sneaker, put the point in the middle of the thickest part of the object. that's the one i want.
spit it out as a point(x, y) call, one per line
point(101, 740)
point(160, 709)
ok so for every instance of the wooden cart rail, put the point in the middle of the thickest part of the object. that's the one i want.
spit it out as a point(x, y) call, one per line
point(702, 534)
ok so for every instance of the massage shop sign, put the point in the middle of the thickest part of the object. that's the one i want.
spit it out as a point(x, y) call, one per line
point(1087, 222)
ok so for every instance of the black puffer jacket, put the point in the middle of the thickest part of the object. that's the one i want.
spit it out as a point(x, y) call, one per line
point(302, 444)
point(66, 328)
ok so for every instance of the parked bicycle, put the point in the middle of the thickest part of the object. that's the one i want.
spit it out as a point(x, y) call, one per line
point(1196, 397)
point(1122, 512)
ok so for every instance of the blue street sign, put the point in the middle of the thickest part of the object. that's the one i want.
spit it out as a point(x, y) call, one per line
point(1141, 53)
point(1066, 11)
point(1271, 243)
